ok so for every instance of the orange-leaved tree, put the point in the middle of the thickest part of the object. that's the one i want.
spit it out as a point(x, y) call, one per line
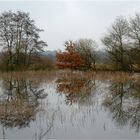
point(70, 58)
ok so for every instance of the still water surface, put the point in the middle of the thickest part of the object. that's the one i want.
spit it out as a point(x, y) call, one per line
point(69, 105)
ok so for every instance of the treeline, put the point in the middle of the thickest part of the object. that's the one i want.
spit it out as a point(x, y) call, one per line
point(21, 46)
point(77, 55)
point(20, 42)
point(122, 43)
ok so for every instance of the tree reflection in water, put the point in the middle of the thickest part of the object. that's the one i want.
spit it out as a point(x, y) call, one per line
point(76, 87)
point(124, 103)
point(19, 102)
point(79, 109)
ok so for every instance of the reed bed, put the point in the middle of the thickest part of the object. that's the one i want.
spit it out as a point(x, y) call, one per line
point(65, 74)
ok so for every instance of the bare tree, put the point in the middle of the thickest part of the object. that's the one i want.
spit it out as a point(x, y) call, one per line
point(19, 36)
point(117, 43)
point(7, 34)
point(86, 48)
point(134, 35)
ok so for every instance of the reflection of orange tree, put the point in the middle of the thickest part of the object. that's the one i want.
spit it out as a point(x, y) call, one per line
point(19, 102)
point(76, 87)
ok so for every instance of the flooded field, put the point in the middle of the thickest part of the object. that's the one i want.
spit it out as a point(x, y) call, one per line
point(67, 105)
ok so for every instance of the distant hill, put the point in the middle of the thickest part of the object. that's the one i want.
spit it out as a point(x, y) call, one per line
point(49, 54)
point(102, 56)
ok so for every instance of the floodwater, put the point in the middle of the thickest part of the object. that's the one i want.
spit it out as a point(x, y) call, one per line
point(69, 105)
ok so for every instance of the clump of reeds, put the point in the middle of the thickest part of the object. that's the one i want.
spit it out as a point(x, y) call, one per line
point(16, 113)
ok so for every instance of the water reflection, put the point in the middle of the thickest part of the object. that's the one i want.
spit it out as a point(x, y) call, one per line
point(78, 105)
point(76, 87)
point(19, 102)
point(123, 102)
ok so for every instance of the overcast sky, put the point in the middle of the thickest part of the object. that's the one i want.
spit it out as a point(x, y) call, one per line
point(73, 19)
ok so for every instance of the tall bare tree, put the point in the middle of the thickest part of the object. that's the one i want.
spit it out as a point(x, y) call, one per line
point(7, 34)
point(19, 36)
point(117, 43)
point(134, 35)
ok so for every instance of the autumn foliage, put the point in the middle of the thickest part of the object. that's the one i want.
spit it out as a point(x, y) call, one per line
point(69, 58)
